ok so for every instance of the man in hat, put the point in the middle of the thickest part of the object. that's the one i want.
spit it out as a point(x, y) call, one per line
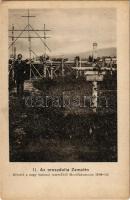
point(19, 74)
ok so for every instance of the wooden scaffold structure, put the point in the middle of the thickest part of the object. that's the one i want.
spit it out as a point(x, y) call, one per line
point(28, 29)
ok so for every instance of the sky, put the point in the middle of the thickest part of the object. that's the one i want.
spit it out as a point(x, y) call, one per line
point(72, 30)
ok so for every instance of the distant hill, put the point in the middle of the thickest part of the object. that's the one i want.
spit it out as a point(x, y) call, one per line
point(107, 52)
point(101, 52)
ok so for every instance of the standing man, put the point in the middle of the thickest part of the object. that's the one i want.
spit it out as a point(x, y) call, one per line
point(19, 74)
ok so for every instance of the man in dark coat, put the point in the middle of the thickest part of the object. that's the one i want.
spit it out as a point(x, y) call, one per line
point(19, 74)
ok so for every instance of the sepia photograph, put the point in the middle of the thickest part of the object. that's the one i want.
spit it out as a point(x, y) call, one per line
point(62, 83)
point(64, 100)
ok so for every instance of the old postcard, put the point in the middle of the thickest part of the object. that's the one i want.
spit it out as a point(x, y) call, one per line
point(64, 99)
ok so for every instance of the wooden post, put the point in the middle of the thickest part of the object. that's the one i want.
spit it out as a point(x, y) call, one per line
point(44, 71)
point(94, 95)
point(77, 65)
point(80, 65)
point(30, 73)
point(51, 73)
point(62, 66)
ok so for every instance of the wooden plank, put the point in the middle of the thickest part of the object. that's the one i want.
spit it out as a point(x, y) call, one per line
point(94, 73)
point(94, 77)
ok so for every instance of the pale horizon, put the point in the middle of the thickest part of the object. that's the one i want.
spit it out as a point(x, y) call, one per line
point(72, 30)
